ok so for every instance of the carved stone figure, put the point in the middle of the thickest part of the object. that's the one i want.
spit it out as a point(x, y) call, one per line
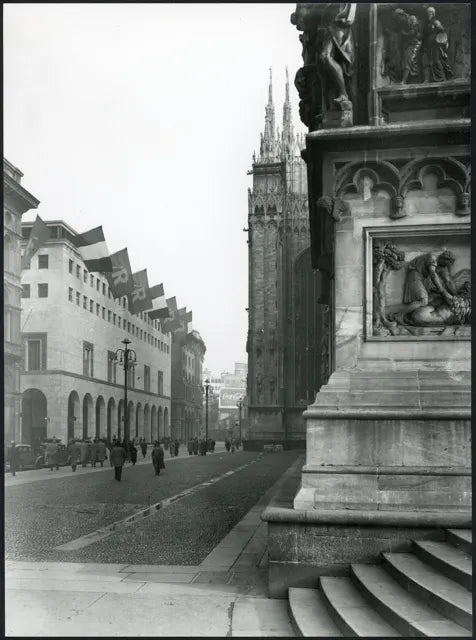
point(259, 384)
point(411, 44)
point(464, 205)
point(423, 277)
point(436, 67)
point(444, 310)
point(385, 259)
point(328, 55)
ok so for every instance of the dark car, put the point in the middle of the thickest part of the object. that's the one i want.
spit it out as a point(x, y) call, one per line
point(62, 456)
point(27, 457)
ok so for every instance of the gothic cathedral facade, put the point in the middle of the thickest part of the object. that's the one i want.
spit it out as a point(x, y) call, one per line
point(287, 331)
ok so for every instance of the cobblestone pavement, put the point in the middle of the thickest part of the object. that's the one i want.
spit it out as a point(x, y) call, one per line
point(42, 515)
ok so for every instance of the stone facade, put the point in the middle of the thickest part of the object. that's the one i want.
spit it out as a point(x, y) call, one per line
point(188, 351)
point(388, 436)
point(285, 319)
point(17, 200)
point(71, 330)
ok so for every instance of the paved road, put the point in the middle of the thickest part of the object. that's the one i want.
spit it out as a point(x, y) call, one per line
point(44, 514)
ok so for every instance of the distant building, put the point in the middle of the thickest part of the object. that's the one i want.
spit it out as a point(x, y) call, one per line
point(71, 384)
point(188, 351)
point(224, 394)
point(284, 317)
point(17, 200)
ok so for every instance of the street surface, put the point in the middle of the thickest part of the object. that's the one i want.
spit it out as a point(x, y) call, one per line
point(44, 514)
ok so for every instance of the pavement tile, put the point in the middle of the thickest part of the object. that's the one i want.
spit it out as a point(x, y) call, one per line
point(248, 560)
point(58, 584)
point(195, 589)
point(48, 577)
point(186, 578)
point(213, 577)
point(160, 568)
point(260, 614)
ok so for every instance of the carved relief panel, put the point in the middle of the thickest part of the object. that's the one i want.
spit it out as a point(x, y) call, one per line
point(419, 283)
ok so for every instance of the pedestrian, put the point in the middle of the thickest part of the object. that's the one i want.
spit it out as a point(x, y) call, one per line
point(118, 457)
point(74, 453)
point(158, 458)
point(111, 445)
point(93, 447)
point(233, 445)
point(13, 457)
point(190, 447)
point(212, 445)
point(51, 454)
point(125, 446)
point(176, 447)
point(227, 445)
point(195, 446)
point(143, 447)
point(171, 449)
point(101, 451)
point(133, 453)
point(83, 447)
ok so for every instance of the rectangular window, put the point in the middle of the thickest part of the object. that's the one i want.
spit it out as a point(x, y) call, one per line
point(98, 309)
point(43, 262)
point(104, 313)
point(129, 327)
point(25, 291)
point(85, 303)
point(88, 353)
point(78, 271)
point(71, 264)
point(85, 276)
point(98, 284)
point(124, 324)
point(160, 383)
point(103, 288)
point(146, 378)
point(114, 318)
point(78, 298)
point(43, 290)
point(91, 280)
point(111, 366)
point(168, 348)
point(70, 294)
point(109, 315)
point(91, 306)
point(34, 355)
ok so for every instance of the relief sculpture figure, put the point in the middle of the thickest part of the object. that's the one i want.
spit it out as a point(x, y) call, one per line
point(411, 44)
point(435, 49)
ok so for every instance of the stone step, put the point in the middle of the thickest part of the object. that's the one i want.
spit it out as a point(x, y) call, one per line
point(309, 615)
point(431, 586)
point(411, 617)
point(351, 612)
point(447, 559)
point(461, 538)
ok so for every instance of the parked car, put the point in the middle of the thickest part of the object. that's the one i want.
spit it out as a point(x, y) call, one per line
point(27, 458)
point(62, 456)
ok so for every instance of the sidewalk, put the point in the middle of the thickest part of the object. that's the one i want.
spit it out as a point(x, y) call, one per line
point(33, 475)
point(225, 595)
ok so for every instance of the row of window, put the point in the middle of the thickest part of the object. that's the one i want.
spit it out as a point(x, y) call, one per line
point(42, 290)
point(116, 320)
point(35, 360)
point(95, 282)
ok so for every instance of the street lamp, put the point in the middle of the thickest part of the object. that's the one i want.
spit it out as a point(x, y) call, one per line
point(126, 358)
point(239, 404)
point(207, 387)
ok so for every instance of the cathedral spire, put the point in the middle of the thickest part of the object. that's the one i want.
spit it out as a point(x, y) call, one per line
point(268, 138)
point(288, 139)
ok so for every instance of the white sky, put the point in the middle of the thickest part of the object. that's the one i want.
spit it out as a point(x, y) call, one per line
point(144, 118)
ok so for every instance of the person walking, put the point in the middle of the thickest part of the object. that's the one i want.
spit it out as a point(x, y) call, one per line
point(227, 445)
point(83, 447)
point(74, 454)
point(212, 445)
point(190, 447)
point(171, 448)
point(51, 454)
point(158, 458)
point(94, 452)
point(110, 446)
point(143, 447)
point(133, 453)
point(13, 458)
point(101, 451)
point(232, 445)
point(176, 447)
point(118, 457)
point(195, 446)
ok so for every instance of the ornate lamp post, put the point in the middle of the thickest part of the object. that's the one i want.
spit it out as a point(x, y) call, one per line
point(239, 404)
point(126, 358)
point(207, 387)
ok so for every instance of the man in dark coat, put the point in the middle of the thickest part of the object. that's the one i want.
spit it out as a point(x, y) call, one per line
point(74, 453)
point(176, 445)
point(118, 457)
point(14, 458)
point(227, 444)
point(143, 447)
point(133, 452)
point(158, 458)
point(101, 451)
point(212, 446)
point(93, 449)
point(195, 446)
